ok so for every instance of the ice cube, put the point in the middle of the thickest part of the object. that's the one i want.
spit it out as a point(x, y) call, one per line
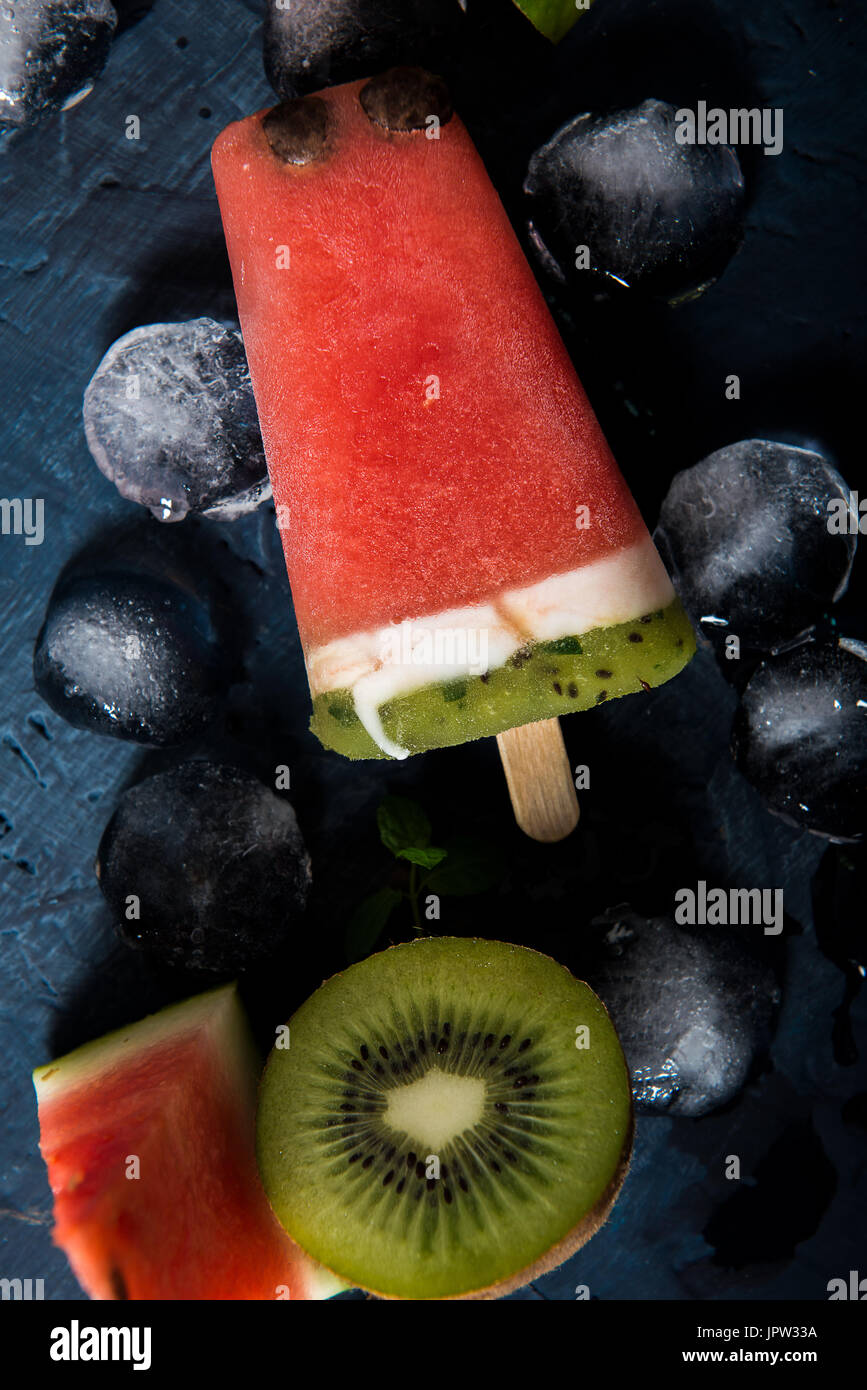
point(800, 736)
point(694, 1007)
point(653, 214)
point(50, 53)
point(318, 43)
point(170, 418)
point(216, 860)
point(745, 536)
point(131, 655)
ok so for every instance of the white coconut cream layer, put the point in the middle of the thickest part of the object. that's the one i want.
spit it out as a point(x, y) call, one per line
point(394, 660)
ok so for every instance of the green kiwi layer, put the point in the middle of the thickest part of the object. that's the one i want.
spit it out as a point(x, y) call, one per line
point(542, 680)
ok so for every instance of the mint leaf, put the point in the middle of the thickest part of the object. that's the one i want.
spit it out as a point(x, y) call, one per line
point(426, 858)
point(342, 708)
point(402, 824)
point(563, 646)
point(454, 690)
point(368, 922)
point(471, 867)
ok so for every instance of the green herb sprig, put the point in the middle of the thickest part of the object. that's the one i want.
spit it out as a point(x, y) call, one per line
point(458, 867)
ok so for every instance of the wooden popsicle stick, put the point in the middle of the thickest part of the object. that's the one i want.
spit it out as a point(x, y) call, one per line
point(539, 779)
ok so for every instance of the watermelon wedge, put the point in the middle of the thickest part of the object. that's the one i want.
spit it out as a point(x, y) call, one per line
point(148, 1137)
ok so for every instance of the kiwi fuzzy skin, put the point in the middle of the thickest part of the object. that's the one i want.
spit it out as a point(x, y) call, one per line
point(571, 1242)
point(552, 1258)
point(577, 1237)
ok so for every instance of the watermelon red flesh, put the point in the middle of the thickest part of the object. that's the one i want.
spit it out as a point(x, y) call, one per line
point(402, 265)
point(179, 1092)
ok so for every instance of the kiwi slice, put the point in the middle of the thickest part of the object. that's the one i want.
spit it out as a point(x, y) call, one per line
point(451, 1118)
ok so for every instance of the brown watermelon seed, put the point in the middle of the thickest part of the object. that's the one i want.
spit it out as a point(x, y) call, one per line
point(404, 99)
point(297, 130)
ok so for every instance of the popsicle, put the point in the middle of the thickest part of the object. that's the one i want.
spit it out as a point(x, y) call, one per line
point(463, 553)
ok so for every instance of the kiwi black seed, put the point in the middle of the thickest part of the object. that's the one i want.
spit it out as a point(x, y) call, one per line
point(434, 1130)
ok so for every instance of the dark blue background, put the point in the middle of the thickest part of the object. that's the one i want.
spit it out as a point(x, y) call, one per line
point(99, 234)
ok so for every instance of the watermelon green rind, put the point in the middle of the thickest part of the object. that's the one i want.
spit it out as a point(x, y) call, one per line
point(543, 680)
point(91, 1061)
point(178, 1089)
point(553, 18)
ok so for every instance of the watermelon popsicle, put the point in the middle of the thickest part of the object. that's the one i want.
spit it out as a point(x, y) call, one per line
point(463, 553)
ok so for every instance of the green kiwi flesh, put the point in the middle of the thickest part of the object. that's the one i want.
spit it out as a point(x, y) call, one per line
point(446, 1119)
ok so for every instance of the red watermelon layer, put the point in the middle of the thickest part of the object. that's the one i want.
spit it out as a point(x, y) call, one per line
point(359, 278)
point(177, 1092)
